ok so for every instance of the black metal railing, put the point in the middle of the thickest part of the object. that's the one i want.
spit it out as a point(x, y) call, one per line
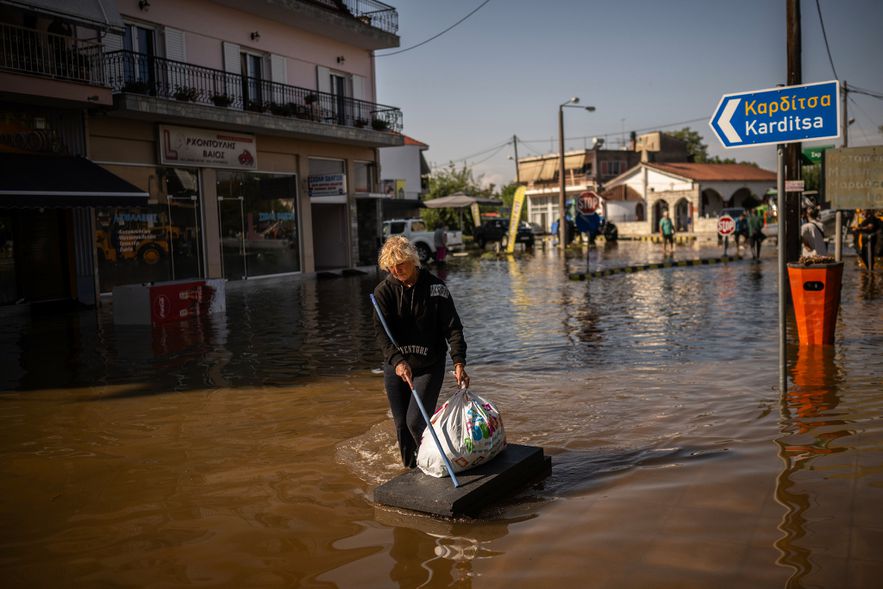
point(46, 54)
point(371, 12)
point(138, 73)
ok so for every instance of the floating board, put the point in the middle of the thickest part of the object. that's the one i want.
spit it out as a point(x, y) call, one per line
point(514, 468)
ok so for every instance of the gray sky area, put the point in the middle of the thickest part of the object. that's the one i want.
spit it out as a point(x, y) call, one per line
point(644, 65)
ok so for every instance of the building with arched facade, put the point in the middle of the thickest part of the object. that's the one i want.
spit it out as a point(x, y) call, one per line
point(693, 193)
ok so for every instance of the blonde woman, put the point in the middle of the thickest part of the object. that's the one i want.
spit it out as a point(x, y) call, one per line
point(420, 314)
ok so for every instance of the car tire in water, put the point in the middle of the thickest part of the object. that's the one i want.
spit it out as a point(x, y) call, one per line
point(424, 253)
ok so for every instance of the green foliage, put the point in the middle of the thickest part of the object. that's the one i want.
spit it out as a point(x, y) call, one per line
point(698, 151)
point(445, 182)
point(811, 177)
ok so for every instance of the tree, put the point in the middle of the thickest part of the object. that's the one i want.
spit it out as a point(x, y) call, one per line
point(445, 182)
point(698, 151)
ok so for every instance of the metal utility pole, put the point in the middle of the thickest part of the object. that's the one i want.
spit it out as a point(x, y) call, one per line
point(515, 146)
point(844, 122)
point(791, 215)
point(838, 216)
point(562, 225)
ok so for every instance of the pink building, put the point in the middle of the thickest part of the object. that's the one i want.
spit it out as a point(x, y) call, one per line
point(244, 134)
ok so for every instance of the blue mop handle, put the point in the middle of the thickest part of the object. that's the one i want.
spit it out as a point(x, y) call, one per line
point(435, 439)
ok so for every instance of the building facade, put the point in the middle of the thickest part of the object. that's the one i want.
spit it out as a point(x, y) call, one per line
point(693, 193)
point(249, 128)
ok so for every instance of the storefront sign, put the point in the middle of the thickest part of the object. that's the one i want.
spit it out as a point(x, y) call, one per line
point(327, 185)
point(854, 177)
point(206, 148)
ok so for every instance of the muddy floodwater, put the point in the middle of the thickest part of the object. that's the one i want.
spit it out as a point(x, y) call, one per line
point(242, 450)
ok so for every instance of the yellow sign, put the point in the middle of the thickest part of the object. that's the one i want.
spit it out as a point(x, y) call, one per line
point(476, 214)
point(515, 218)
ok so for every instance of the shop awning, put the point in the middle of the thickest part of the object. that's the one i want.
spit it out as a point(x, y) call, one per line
point(33, 181)
point(550, 168)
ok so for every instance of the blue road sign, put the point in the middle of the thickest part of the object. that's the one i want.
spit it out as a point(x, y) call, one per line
point(778, 115)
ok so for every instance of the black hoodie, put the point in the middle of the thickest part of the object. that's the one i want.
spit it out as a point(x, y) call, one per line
point(422, 319)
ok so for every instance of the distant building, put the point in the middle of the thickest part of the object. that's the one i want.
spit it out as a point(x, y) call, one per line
point(588, 169)
point(242, 136)
point(693, 193)
point(404, 170)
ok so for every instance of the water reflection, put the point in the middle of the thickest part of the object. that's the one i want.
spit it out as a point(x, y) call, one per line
point(253, 457)
point(811, 425)
point(433, 553)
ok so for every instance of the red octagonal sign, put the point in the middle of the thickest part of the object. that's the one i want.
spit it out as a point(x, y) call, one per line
point(726, 225)
point(587, 202)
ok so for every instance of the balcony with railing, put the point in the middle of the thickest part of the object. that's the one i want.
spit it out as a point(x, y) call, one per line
point(60, 57)
point(138, 73)
point(372, 13)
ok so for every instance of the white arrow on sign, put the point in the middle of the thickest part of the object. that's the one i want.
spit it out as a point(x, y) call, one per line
point(724, 121)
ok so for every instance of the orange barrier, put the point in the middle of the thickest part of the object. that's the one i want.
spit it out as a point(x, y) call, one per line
point(815, 290)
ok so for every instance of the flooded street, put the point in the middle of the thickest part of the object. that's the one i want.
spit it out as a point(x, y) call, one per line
point(241, 450)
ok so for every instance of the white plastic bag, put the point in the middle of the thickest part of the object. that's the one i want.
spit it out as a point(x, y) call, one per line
point(470, 430)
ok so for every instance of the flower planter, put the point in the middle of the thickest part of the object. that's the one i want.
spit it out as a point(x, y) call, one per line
point(222, 100)
point(815, 291)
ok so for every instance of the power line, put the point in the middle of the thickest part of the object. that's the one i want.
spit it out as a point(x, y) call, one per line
point(825, 37)
point(614, 133)
point(434, 36)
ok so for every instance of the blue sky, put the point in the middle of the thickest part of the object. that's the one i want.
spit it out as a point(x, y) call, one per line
point(642, 64)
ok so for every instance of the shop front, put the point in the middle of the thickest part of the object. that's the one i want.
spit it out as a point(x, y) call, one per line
point(46, 225)
point(258, 224)
point(209, 212)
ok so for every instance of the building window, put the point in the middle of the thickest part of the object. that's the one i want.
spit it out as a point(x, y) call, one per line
point(364, 176)
point(258, 224)
point(252, 70)
point(158, 242)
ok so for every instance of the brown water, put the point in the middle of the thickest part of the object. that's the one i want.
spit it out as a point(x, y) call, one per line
point(241, 451)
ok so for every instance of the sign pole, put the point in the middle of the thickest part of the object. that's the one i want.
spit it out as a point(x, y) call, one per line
point(726, 244)
point(780, 196)
point(838, 235)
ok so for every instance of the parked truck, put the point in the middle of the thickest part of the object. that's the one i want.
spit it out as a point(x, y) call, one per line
point(421, 236)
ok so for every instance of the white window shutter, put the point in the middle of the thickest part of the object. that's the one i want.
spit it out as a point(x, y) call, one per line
point(175, 49)
point(278, 69)
point(233, 66)
point(232, 61)
point(359, 87)
point(113, 42)
point(323, 79)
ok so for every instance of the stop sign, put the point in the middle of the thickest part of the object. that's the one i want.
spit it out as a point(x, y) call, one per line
point(726, 225)
point(587, 202)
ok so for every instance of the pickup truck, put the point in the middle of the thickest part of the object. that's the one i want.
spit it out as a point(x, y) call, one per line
point(421, 236)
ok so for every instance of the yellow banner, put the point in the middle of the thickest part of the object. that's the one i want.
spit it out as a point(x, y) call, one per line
point(515, 218)
point(476, 214)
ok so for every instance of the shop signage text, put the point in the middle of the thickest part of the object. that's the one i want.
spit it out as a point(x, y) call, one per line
point(327, 185)
point(206, 148)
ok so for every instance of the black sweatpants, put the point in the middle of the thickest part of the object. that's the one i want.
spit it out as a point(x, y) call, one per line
point(409, 423)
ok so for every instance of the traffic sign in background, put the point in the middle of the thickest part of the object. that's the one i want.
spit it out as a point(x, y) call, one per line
point(778, 115)
point(726, 225)
point(587, 202)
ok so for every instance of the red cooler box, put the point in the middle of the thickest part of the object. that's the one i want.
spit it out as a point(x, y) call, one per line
point(164, 302)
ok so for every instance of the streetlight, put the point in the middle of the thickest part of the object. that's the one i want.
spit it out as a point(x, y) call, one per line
point(562, 224)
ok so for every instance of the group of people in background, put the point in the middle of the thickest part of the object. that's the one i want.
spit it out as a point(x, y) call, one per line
point(868, 231)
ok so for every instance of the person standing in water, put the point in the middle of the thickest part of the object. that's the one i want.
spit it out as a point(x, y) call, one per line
point(421, 316)
point(755, 233)
point(667, 231)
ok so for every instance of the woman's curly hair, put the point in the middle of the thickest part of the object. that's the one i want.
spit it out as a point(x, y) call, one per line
point(396, 250)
